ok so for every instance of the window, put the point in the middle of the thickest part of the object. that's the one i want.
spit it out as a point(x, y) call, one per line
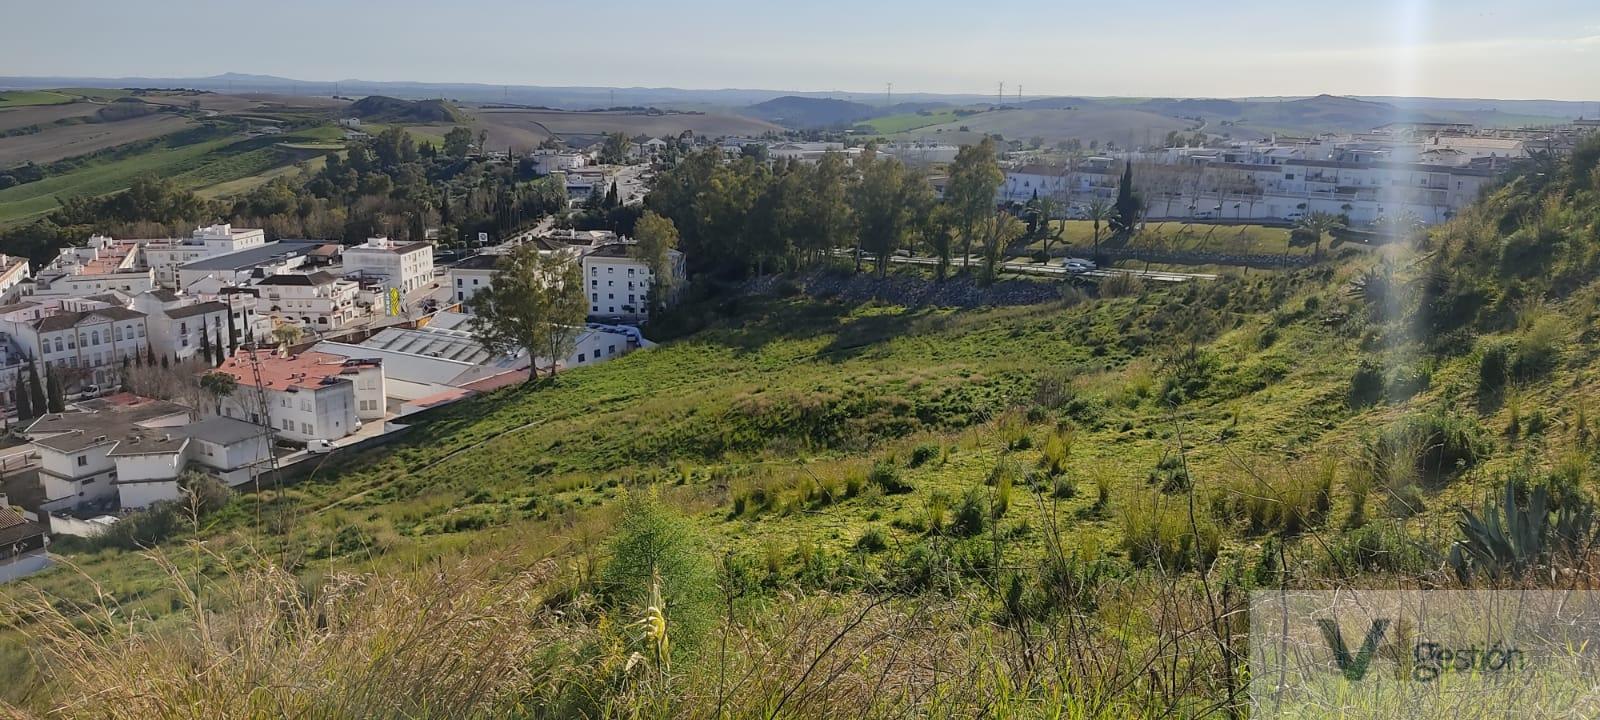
point(611, 349)
point(58, 343)
point(595, 297)
point(630, 299)
point(118, 332)
point(460, 282)
point(183, 327)
point(305, 428)
point(630, 272)
point(83, 460)
point(581, 358)
point(610, 270)
point(594, 283)
point(288, 425)
point(141, 331)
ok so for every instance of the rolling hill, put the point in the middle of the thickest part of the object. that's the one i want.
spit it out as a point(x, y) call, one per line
point(379, 108)
point(803, 113)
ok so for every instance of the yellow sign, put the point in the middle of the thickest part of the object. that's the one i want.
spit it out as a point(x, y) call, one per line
point(394, 301)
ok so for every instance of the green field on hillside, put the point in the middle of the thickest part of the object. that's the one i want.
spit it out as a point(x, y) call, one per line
point(909, 121)
point(193, 160)
point(20, 98)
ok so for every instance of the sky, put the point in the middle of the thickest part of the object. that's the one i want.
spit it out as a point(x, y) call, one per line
point(1529, 49)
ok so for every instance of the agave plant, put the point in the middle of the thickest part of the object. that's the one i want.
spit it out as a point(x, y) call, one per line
point(1506, 540)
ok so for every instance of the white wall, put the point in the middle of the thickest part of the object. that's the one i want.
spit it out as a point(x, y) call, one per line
point(136, 496)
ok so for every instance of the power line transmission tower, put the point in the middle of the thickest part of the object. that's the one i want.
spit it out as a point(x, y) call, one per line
point(1000, 95)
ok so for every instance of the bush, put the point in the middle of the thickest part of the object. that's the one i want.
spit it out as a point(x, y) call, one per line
point(1493, 361)
point(1012, 429)
point(1040, 256)
point(1366, 385)
point(1120, 285)
point(1162, 536)
point(1057, 448)
point(1064, 488)
point(1169, 475)
point(1538, 350)
point(924, 453)
point(872, 540)
point(970, 517)
point(887, 477)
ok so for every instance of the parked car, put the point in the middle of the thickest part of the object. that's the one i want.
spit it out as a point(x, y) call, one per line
point(89, 392)
point(319, 447)
point(1078, 265)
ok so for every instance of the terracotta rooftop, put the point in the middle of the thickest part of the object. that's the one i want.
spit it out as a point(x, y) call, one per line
point(305, 371)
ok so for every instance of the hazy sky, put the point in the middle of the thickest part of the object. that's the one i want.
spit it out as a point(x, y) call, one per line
point(1464, 48)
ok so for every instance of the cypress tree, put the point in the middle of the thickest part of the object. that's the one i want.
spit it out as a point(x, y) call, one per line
point(35, 388)
point(205, 344)
point(612, 199)
point(164, 363)
point(150, 356)
point(1127, 205)
point(24, 402)
point(58, 395)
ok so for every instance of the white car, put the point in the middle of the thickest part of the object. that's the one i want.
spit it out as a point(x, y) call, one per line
point(1078, 265)
point(319, 447)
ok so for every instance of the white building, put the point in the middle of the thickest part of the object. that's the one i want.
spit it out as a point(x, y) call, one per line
point(100, 265)
point(86, 346)
point(315, 300)
point(408, 266)
point(23, 543)
point(16, 278)
point(310, 395)
point(76, 467)
point(164, 257)
point(244, 266)
point(618, 284)
point(547, 161)
point(179, 325)
point(151, 462)
point(469, 276)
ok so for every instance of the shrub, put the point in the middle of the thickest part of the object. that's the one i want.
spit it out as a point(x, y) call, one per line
point(1057, 448)
point(655, 551)
point(1012, 430)
point(872, 540)
point(1040, 256)
point(1493, 359)
point(1538, 349)
point(1053, 390)
point(1379, 547)
point(1169, 474)
point(887, 477)
point(1120, 285)
point(1161, 535)
point(1287, 504)
point(1366, 385)
point(923, 454)
point(1429, 446)
point(970, 516)
point(1064, 488)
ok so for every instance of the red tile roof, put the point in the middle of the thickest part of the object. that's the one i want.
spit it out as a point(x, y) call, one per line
point(307, 370)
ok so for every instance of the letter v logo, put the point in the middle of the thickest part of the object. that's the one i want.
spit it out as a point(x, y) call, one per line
point(1354, 667)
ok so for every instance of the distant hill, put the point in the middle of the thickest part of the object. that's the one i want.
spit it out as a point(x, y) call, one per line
point(793, 111)
point(381, 108)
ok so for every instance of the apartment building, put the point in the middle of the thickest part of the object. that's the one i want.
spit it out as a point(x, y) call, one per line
point(618, 283)
point(16, 278)
point(102, 264)
point(314, 300)
point(164, 257)
point(406, 266)
point(181, 325)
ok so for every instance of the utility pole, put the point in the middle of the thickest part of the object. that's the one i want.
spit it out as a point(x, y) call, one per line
point(1000, 95)
point(888, 95)
point(1019, 94)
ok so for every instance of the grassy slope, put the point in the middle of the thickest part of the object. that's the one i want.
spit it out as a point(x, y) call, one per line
point(909, 121)
point(20, 98)
point(193, 165)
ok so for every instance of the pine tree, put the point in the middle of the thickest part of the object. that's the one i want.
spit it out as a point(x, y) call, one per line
point(205, 345)
point(58, 395)
point(612, 199)
point(233, 339)
point(35, 388)
point(127, 380)
point(164, 363)
point(149, 356)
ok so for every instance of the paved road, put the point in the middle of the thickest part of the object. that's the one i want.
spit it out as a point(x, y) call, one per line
point(1054, 269)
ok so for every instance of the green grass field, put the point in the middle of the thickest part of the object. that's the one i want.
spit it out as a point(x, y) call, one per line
point(195, 165)
point(1178, 236)
point(20, 98)
point(909, 121)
